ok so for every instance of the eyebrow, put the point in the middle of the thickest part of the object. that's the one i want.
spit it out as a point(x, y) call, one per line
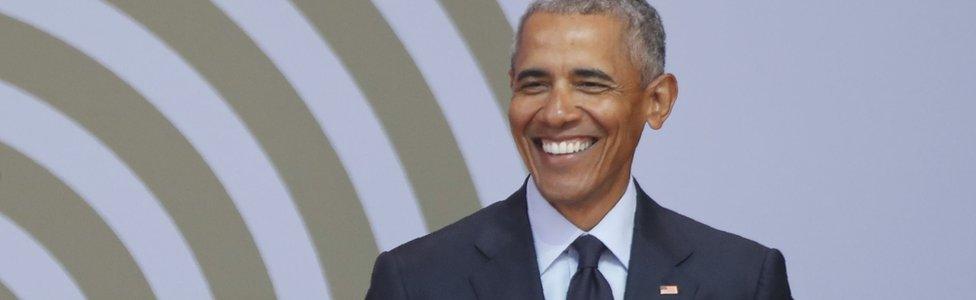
point(583, 72)
point(593, 73)
point(531, 73)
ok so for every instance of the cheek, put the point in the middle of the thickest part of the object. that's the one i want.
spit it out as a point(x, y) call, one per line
point(520, 114)
point(616, 118)
point(610, 115)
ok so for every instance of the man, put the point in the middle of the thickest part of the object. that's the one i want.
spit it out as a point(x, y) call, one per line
point(586, 76)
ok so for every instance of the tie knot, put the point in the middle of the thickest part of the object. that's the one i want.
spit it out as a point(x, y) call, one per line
point(589, 249)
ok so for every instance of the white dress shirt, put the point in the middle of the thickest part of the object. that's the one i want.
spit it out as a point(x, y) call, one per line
point(553, 235)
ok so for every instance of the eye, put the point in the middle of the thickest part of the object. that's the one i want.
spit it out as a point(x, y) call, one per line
point(592, 87)
point(532, 87)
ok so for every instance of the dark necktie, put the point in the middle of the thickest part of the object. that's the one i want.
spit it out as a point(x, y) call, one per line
point(588, 283)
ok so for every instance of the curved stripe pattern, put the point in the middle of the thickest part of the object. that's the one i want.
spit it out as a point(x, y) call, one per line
point(83, 163)
point(489, 36)
point(341, 110)
point(513, 10)
point(460, 88)
point(212, 127)
point(285, 129)
point(92, 95)
point(29, 270)
point(397, 92)
point(74, 234)
point(5, 292)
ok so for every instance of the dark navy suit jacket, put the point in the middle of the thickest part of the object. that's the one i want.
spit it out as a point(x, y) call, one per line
point(490, 255)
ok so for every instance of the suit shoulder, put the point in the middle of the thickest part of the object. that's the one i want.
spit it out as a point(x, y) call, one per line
point(437, 264)
point(713, 240)
point(451, 238)
point(735, 265)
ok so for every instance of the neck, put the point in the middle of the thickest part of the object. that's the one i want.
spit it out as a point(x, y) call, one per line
point(585, 214)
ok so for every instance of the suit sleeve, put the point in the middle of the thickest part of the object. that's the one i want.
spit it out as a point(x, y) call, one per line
point(386, 282)
point(773, 284)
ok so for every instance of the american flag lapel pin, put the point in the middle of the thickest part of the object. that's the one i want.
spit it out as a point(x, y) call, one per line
point(669, 290)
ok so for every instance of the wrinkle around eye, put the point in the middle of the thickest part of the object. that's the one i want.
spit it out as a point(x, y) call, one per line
point(593, 87)
point(532, 88)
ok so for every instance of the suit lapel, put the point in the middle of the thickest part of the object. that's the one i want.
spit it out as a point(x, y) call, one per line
point(511, 270)
point(657, 250)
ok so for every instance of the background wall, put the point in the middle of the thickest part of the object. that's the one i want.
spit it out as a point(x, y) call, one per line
point(252, 149)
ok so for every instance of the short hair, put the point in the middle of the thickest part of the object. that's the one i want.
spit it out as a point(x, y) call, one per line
point(645, 33)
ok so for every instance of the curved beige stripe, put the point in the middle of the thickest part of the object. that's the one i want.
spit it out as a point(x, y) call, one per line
point(489, 37)
point(5, 292)
point(282, 124)
point(400, 97)
point(61, 221)
point(102, 103)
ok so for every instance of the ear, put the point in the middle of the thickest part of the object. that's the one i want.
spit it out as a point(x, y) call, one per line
point(659, 96)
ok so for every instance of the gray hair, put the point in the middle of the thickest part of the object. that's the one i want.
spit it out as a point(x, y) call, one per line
point(645, 33)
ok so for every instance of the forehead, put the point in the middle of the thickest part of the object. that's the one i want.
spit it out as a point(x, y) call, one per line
point(572, 40)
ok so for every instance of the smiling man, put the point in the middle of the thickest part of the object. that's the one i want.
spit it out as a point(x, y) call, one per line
point(586, 77)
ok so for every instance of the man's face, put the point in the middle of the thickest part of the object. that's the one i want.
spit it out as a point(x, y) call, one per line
point(578, 107)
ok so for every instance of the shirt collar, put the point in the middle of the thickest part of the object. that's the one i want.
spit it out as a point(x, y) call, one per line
point(552, 233)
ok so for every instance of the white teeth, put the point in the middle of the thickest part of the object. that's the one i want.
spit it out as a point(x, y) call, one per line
point(565, 147)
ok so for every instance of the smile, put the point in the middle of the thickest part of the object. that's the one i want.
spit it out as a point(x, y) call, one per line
point(566, 146)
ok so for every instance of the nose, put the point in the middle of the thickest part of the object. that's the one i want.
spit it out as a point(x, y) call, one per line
point(560, 109)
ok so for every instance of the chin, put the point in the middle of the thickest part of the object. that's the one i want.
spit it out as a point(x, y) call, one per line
point(563, 190)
